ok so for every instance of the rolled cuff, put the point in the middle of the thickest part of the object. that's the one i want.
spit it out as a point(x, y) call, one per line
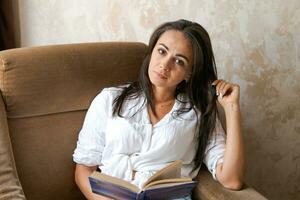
point(213, 168)
point(86, 157)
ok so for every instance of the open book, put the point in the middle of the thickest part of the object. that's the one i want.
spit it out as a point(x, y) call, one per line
point(165, 184)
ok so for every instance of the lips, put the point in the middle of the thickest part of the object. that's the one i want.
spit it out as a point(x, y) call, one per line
point(160, 75)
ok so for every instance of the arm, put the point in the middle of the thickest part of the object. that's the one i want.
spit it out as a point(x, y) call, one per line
point(231, 172)
point(82, 173)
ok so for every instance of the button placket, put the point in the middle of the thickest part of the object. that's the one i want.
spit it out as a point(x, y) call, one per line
point(148, 135)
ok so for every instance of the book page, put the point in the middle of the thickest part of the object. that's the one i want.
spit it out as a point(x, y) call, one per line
point(168, 182)
point(106, 178)
point(172, 170)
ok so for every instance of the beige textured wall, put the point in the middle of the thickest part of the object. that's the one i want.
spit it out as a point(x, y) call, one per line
point(256, 44)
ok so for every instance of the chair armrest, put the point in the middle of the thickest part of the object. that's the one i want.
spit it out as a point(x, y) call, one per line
point(10, 187)
point(209, 189)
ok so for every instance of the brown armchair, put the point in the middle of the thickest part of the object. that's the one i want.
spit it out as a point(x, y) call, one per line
point(45, 92)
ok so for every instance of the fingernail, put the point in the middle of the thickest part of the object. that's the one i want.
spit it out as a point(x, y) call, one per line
point(221, 95)
point(217, 92)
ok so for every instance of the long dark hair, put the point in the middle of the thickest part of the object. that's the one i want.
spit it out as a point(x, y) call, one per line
point(198, 88)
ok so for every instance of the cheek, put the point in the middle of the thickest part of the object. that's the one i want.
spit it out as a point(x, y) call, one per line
point(178, 76)
point(150, 67)
point(188, 73)
point(152, 63)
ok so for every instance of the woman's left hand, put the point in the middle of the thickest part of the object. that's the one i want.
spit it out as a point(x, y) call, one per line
point(228, 93)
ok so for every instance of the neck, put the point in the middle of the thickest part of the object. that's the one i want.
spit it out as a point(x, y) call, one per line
point(161, 96)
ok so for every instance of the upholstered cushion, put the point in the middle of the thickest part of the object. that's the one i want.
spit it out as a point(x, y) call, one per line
point(43, 148)
point(209, 189)
point(52, 79)
point(10, 187)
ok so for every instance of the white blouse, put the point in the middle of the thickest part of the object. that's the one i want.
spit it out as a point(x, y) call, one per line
point(120, 145)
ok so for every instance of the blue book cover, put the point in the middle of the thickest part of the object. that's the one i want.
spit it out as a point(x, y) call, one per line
point(165, 184)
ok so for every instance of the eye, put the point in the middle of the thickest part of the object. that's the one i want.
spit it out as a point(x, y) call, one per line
point(161, 51)
point(179, 62)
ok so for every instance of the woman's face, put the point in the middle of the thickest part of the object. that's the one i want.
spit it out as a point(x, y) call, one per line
point(171, 60)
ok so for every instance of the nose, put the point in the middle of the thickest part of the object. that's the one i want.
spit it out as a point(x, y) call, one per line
point(165, 64)
point(163, 67)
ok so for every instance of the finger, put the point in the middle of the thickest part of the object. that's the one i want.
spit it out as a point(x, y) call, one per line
point(236, 87)
point(216, 82)
point(226, 90)
point(215, 87)
point(220, 86)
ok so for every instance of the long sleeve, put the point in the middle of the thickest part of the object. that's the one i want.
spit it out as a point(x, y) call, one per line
point(215, 149)
point(91, 140)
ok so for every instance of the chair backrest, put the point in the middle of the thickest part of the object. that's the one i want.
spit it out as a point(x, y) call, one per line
point(46, 92)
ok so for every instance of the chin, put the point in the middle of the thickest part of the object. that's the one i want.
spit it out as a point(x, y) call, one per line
point(157, 84)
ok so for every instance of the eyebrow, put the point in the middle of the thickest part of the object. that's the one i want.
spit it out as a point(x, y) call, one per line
point(180, 55)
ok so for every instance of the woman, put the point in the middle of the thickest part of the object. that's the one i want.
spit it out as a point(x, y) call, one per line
point(169, 114)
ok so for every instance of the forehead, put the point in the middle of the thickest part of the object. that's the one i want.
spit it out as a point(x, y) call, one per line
point(176, 41)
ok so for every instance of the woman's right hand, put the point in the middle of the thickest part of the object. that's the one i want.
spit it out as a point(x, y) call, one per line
point(82, 173)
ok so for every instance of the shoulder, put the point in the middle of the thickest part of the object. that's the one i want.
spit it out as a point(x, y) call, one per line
point(105, 98)
point(110, 93)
